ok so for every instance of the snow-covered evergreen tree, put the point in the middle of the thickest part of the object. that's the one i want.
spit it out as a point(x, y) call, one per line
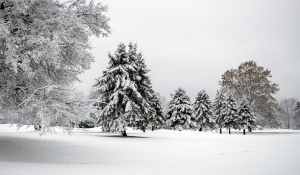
point(217, 106)
point(158, 118)
point(228, 113)
point(44, 46)
point(180, 111)
point(122, 99)
point(202, 111)
point(143, 82)
point(246, 118)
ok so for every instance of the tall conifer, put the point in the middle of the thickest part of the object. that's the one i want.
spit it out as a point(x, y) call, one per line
point(229, 113)
point(219, 102)
point(202, 111)
point(123, 99)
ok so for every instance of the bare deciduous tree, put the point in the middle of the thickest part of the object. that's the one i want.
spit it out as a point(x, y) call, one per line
point(296, 117)
point(287, 106)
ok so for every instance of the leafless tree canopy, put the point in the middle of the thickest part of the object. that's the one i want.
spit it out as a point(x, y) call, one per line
point(296, 117)
point(287, 106)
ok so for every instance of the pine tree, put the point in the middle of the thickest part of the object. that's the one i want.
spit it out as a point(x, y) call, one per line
point(228, 113)
point(180, 111)
point(122, 99)
point(158, 118)
point(246, 118)
point(202, 111)
point(143, 81)
point(218, 104)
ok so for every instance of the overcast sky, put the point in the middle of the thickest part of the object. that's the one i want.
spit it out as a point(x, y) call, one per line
point(191, 43)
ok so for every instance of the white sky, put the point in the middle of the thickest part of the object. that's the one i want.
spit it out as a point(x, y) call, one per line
point(191, 43)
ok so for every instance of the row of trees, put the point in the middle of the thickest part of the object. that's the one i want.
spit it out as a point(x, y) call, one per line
point(44, 46)
point(124, 97)
point(224, 112)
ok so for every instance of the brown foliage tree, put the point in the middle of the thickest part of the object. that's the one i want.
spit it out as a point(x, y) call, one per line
point(253, 83)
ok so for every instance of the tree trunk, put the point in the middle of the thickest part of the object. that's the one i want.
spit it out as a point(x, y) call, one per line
point(220, 130)
point(229, 131)
point(37, 127)
point(152, 128)
point(244, 131)
point(124, 134)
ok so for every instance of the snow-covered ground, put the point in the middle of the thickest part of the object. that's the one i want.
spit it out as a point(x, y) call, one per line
point(154, 152)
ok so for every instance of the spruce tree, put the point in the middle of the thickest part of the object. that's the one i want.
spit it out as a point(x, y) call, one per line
point(121, 99)
point(143, 82)
point(219, 102)
point(158, 118)
point(202, 111)
point(246, 118)
point(229, 113)
point(180, 111)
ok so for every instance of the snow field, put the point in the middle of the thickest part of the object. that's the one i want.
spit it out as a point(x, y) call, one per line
point(154, 152)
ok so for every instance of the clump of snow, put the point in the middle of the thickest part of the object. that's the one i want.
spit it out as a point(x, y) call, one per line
point(91, 151)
